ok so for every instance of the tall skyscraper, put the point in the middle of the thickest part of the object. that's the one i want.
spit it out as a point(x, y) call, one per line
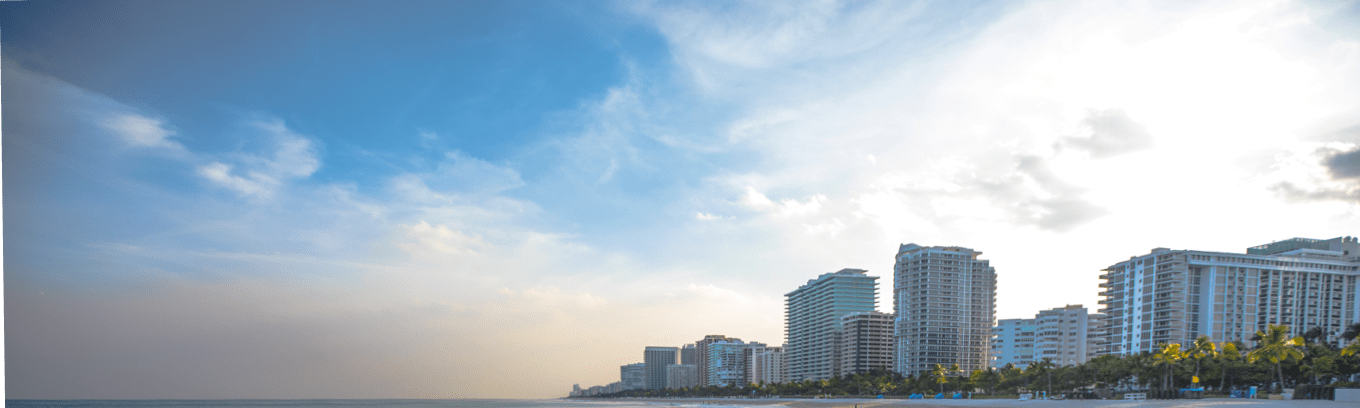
point(812, 320)
point(687, 355)
point(656, 359)
point(633, 376)
point(701, 355)
point(1174, 296)
point(944, 299)
point(866, 342)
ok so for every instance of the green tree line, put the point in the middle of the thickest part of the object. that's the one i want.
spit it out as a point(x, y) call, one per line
point(1272, 362)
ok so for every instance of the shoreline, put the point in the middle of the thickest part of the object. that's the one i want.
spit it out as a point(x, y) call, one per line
point(979, 403)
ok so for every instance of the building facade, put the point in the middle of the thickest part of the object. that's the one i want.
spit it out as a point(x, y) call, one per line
point(687, 355)
point(701, 355)
point(1175, 296)
point(633, 376)
point(768, 367)
point(944, 299)
point(655, 360)
point(866, 342)
point(748, 358)
point(1013, 343)
point(1063, 334)
point(681, 376)
point(726, 363)
point(812, 320)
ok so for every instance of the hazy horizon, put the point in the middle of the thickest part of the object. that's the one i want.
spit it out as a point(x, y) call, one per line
point(502, 199)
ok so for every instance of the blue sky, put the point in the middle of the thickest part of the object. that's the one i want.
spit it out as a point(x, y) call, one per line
point(321, 199)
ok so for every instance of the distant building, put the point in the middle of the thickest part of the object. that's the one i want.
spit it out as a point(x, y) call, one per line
point(748, 361)
point(866, 342)
point(812, 320)
point(656, 359)
point(944, 299)
point(687, 355)
point(681, 376)
point(701, 355)
point(726, 363)
point(633, 376)
point(1175, 296)
point(1013, 343)
point(768, 366)
point(613, 387)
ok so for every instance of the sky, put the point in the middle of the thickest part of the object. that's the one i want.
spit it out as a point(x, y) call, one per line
point(501, 199)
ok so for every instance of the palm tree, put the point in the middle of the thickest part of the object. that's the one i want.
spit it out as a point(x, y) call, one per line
point(1313, 334)
point(1228, 356)
point(1352, 332)
point(937, 372)
point(1201, 349)
point(1044, 366)
point(1276, 346)
point(1169, 354)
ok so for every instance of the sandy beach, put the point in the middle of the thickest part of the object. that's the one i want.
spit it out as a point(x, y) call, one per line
point(997, 403)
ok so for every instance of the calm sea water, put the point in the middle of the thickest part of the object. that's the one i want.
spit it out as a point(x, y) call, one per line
point(393, 403)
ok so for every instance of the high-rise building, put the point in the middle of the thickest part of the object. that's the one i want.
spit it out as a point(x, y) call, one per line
point(681, 376)
point(866, 342)
point(1061, 335)
point(656, 359)
point(767, 366)
point(812, 320)
point(726, 363)
point(944, 299)
point(1175, 296)
point(1013, 343)
point(701, 355)
point(633, 376)
point(748, 359)
point(687, 355)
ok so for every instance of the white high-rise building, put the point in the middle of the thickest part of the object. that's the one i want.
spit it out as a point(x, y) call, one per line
point(1061, 335)
point(726, 363)
point(1175, 296)
point(944, 299)
point(768, 366)
point(812, 320)
point(1013, 343)
point(1065, 335)
point(748, 357)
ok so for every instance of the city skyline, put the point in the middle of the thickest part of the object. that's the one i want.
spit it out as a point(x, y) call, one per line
point(338, 200)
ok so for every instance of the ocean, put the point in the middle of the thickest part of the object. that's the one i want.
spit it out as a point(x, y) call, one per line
point(393, 403)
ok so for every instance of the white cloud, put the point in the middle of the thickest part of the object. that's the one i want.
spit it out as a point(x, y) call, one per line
point(259, 177)
point(755, 200)
point(441, 239)
point(142, 131)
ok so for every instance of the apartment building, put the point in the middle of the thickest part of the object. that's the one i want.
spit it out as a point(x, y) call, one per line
point(812, 320)
point(1174, 296)
point(866, 342)
point(944, 300)
point(768, 366)
point(655, 360)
